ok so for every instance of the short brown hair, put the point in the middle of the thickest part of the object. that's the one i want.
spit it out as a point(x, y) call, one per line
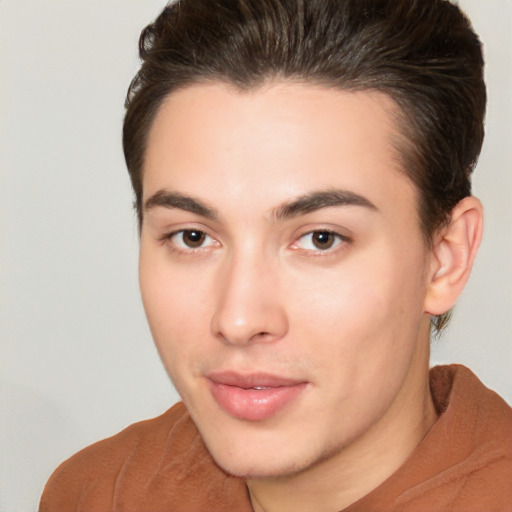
point(422, 53)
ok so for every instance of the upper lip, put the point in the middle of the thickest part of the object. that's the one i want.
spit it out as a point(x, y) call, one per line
point(252, 380)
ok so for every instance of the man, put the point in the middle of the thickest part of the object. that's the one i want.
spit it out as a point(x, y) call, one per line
point(302, 181)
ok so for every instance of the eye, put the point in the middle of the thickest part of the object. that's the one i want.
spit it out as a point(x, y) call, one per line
point(191, 239)
point(321, 240)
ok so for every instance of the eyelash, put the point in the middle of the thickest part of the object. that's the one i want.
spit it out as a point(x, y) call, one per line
point(184, 249)
point(340, 240)
point(168, 240)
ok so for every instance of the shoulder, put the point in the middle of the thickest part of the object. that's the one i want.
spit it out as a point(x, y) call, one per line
point(156, 465)
point(464, 463)
point(107, 453)
point(469, 450)
point(96, 468)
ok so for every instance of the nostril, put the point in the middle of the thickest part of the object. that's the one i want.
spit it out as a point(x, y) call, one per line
point(260, 335)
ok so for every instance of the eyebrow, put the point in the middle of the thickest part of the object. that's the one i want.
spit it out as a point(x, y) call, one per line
point(180, 201)
point(320, 199)
point(302, 205)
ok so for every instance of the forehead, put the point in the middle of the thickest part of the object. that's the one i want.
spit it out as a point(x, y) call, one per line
point(276, 141)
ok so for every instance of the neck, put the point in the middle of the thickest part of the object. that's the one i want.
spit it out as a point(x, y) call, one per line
point(342, 478)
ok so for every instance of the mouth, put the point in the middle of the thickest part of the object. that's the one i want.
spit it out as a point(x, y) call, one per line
point(255, 396)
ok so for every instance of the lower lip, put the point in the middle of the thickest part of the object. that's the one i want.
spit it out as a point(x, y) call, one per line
point(254, 404)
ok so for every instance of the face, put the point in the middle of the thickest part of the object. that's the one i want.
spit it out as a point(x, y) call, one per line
point(282, 270)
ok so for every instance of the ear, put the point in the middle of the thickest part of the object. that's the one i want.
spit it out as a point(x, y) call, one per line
point(452, 256)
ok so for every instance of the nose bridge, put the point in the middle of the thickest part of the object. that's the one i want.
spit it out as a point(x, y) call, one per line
point(248, 306)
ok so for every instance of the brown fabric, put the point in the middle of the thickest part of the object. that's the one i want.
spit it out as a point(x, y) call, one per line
point(464, 464)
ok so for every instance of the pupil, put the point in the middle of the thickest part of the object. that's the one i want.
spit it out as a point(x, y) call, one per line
point(193, 238)
point(323, 239)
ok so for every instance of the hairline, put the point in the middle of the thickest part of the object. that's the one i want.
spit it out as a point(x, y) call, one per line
point(402, 144)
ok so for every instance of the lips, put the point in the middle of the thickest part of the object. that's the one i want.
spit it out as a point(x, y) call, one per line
point(253, 397)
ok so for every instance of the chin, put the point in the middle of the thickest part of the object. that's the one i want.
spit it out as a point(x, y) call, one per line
point(249, 470)
point(260, 463)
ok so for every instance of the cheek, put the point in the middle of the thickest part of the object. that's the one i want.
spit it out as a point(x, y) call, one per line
point(343, 299)
point(174, 301)
point(354, 326)
point(358, 312)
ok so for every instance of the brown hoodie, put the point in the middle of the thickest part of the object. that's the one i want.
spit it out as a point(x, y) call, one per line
point(464, 464)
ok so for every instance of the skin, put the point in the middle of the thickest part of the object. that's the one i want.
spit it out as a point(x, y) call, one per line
point(254, 294)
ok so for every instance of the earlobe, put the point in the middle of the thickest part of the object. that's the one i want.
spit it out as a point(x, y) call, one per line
point(452, 256)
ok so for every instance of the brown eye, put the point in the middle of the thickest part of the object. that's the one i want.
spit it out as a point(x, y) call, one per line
point(323, 239)
point(192, 238)
point(190, 241)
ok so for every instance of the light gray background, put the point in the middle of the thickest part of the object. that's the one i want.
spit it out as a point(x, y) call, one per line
point(77, 362)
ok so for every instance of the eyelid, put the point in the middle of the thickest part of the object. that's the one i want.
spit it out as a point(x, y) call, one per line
point(342, 240)
point(167, 239)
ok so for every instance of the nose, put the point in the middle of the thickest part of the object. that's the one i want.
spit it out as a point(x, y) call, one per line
point(248, 307)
